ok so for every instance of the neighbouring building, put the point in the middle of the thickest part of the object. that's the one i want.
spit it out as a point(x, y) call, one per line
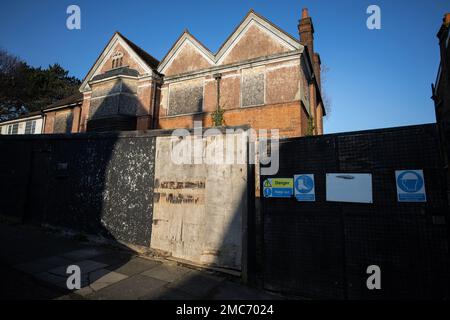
point(441, 92)
point(261, 76)
point(64, 116)
point(31, 123)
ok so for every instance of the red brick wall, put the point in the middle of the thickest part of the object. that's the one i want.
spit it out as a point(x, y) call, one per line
point(49, 122)
point(289, 118)
point(76, 119)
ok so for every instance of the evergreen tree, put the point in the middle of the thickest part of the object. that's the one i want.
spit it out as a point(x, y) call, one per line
point(25, 89)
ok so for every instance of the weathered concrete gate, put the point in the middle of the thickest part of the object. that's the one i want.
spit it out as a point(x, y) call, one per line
point(199, 205)
point(322, 249)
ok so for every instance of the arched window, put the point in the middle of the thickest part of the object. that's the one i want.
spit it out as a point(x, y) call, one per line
point(117, 60)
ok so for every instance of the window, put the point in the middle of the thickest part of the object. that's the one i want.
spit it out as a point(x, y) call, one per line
point(117, 60)
point(253, 89)
point(13, 128)
point(30, 127)
point(63, 122)
point(185, 98)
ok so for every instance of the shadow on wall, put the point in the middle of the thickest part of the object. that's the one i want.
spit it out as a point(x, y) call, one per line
point(94, 183)
point(114, 104)
point(100, 184)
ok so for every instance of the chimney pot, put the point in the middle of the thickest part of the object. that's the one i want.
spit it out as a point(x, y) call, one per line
point(447, 19)
point(305, 13)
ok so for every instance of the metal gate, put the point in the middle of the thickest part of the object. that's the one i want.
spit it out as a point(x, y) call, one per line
point(322, 249)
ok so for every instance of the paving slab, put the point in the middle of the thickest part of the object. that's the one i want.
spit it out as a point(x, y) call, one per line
point(134, 266)
point(41, 265)
point(166, 272)
point(197, 284)
point(84, 291)
point(100, 279)
point(131, 288)
point(86, 266)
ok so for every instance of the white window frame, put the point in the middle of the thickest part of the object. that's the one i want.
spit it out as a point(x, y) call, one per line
point(32, 127)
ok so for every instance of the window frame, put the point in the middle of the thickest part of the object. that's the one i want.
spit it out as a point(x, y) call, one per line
point(13, 128)
point(32, 127)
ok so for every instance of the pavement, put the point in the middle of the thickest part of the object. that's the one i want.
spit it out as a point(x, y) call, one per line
point(34, 261)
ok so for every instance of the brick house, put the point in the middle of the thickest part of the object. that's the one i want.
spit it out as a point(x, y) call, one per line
point(260, 76)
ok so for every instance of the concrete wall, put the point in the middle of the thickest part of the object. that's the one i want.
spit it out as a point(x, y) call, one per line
point(198, 208)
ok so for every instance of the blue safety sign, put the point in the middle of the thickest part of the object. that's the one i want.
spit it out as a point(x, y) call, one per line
point(304, 187)
point(410, 186)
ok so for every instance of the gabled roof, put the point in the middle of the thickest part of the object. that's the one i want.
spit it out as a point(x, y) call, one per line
point(185, 36)
point(251, 17)
point(146, 60)
point(255, 16)
point(151, 61)
point(70, 100)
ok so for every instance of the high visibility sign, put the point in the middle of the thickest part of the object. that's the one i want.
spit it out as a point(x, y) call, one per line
point(278, 188)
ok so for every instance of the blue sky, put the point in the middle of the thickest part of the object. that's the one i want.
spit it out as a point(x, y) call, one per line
point(376, 78)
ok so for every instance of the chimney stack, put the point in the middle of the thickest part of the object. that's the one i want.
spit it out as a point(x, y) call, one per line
point(447, 19)
point(306, 31)
point(443, 33)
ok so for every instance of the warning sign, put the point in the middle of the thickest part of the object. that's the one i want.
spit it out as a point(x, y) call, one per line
point(278, 187)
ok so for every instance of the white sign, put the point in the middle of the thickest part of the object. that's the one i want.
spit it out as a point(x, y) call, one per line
point(304, 187)
point(410, 186)
point(349, 187)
